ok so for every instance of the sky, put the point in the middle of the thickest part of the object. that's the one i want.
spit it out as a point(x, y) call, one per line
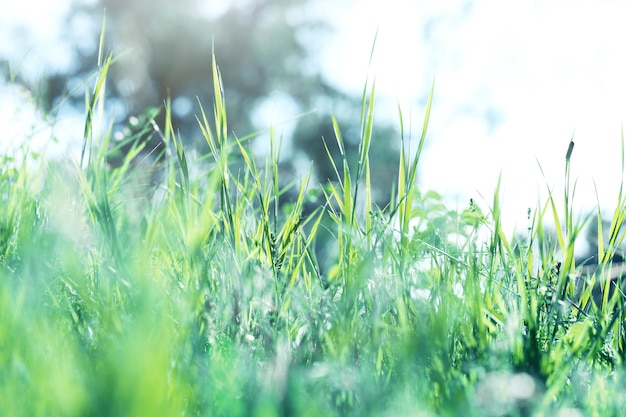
point(514, 82)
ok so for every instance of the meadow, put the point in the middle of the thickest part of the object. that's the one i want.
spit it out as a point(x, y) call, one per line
point(211, 293)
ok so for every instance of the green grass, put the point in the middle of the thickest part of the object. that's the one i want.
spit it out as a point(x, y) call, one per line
point(208, 294)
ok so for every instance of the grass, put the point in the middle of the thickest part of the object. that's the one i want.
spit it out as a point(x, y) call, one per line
point(210, 294)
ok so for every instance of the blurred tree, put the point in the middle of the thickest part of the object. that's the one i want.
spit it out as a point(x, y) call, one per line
point(264, 48)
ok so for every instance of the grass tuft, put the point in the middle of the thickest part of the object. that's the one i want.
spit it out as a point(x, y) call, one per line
point(207, 290)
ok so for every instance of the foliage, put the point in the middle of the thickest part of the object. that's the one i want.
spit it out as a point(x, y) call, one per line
point(201, 294)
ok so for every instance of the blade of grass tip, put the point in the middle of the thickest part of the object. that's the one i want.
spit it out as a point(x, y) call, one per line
point(101, 94)
point(410, 185)
point(555, 214)
point(620, 210)
point(205, 129)
point(532, 233)
point(221, 127)
point(402, 165)
point(177, 142)
point(182, 160)
point(366, 139)
point(401, 121)
point(101, 43)
point(219, 152)
point(600, 236)
point(122, 172)
point(90, 103)
point(568, 214)
point(619, 214)
point(274, 155)
point(348, 202)
point(364, 146)
point(330, 194)
point(334, 192)
point(365, 133)
point(401, 169)
point(546, 254)
point(294, 220)
point(500, 240)
point(276, 190)
point(250, 164)
point(401, 183)
point(570, 149)
point(615, 238)
point(605, 254)
point(346, 183)
point(168, 134)
point(219, 146)
point(366, 84)
point(94, 104)
point(264, 230)
point(309, 244)
point(88, 130)
point(569, 266)
point(339, 139)
point(423, 136)
point(168, 128)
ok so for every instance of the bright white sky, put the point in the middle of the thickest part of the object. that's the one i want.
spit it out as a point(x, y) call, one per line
point(514, 82)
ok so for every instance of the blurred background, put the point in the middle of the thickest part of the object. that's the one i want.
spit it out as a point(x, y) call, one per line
point(514, 82)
